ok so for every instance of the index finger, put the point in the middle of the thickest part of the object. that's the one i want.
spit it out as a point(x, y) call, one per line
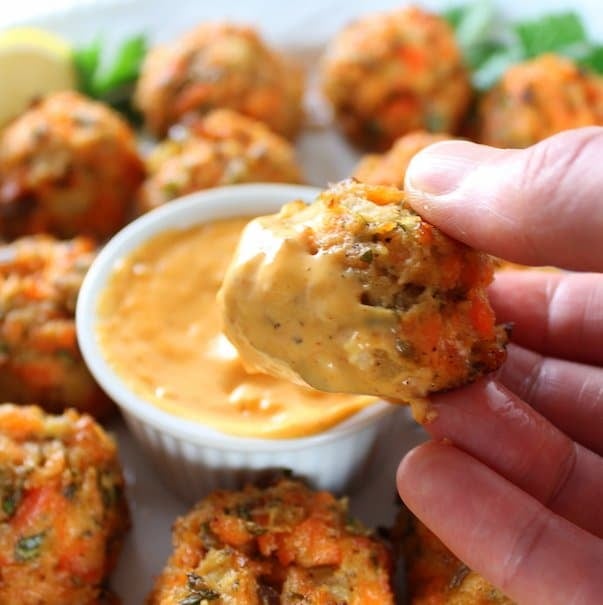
point(536, 206)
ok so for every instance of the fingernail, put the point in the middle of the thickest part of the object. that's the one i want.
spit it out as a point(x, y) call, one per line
point(441, 168)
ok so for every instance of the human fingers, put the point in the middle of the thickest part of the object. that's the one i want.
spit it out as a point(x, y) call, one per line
point(536, 206)
point(568, 394)
point(492, 424)
point(558, 314)
point(533, 555)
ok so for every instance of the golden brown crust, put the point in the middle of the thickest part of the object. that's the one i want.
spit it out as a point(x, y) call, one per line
point(219, 65)
point(63, 514)
point(40, 361)
point(280, 544)
point(357, 293)
point(222, 148)
point(537, 99)
point(389, 168)
point(434, 576)
point(68, 166)
point(388, 74)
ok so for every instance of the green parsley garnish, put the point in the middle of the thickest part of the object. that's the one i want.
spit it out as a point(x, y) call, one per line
point(111, 82)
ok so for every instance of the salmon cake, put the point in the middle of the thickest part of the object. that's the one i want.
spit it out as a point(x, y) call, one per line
point(388, 74)
point(40, 361)
point(537, 99)
point(68, 166)
point(63, 513)
point(223, 148)
point(357, 293)
point(280, 544)
point(219, 65)
point(434, 576)
point(390, 168)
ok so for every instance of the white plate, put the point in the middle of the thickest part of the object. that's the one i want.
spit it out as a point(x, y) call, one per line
point(300, 28)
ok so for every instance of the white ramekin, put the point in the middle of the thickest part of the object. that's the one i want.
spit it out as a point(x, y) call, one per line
point(194, 459)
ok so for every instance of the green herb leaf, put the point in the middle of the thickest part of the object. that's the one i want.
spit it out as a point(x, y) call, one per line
point(28, 548)
point(125, 68)
point(367, 256)
point(87, 61)
point(491, 70)
point(476, 24)
point(113, 83)
point(593, 59)
point(479, 33)
point(9, 504)
point(454, 15)
point(551, 33)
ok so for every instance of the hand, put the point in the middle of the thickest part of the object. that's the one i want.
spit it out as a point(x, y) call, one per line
point(512, 482)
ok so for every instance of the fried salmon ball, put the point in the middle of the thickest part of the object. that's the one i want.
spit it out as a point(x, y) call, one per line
point(280, 544)
point(223, 148)
point(68, 166)
point(388, 74)
point(537, 99)
point(40, 361)
point(219, 65)
point(62, 508)
point(434, 576)
point(356, 293)
point(390, 168)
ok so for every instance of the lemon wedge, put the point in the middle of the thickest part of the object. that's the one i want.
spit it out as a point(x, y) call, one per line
point(33, 62)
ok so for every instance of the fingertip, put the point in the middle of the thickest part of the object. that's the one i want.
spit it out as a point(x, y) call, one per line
point(415, 472)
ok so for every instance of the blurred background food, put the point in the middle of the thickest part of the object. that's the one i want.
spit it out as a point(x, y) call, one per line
point(388, 74)
point(222, 148)
point(538, 98)
point(68, 166)
point(63, 512)
point(219, 65)
point(389, 168)
point(40, 362)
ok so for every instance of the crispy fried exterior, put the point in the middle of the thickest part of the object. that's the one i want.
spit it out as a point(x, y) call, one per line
point(357, 293)
point(434, 576)
point(62, 508)
point(219, 65)
point(281, 544)
point(388, 74)
point(40, 361)
point(68, 166)
point(390, 168)
point(537, 99)
point(222, 148)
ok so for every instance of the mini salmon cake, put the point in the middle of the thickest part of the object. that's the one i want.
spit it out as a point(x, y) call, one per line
point(222, 148)
point(539, 98)
point(390, 168)
point(434, 576)
point(219, 65)
point(68, 166)
point(388, 74)
point(281, 544)
point(63, 514)
point(356, 293)
point(40, 361)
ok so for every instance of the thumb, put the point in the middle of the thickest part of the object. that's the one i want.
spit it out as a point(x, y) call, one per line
point(537, 206)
